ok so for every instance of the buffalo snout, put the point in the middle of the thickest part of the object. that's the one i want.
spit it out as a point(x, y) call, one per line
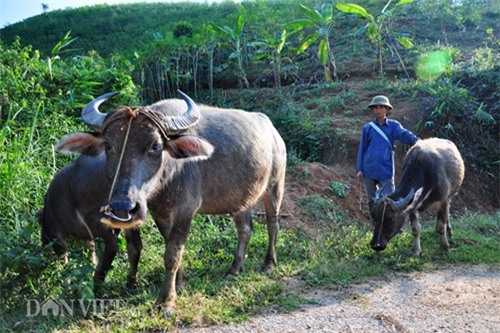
point(378, 246)
point(379, 241)
point(122, 210)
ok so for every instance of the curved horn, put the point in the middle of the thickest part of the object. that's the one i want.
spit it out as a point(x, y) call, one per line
point(90, 113)
point(399, 204)
point(179, 124)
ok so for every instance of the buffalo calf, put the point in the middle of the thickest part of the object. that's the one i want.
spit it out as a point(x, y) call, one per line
point(72, 208)
point(433, 171)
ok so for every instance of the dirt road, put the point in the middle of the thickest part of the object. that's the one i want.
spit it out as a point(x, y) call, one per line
point(452, 299)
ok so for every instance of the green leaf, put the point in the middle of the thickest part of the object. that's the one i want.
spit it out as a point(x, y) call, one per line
point(312, 14)
point(67, 40)
point(262, 57)
point(352, 8)
point(327, 13)
point(483, 116)
point(239, 25)
point(298, 25)
point(405, 41)
point(323, 52)
point(309, 40)
point(228, 31)
point(403, 2)
point(258, 44)
point(372, 30)
point(361, 30)
point(282, 41)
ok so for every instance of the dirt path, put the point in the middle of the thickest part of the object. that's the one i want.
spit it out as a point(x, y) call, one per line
point(452, 299)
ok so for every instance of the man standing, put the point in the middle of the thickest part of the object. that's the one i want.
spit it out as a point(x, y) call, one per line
point(375, 164)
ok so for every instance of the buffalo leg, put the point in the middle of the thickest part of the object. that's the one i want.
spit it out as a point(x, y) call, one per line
point(134, 248)
point(61, 249)
point(110, 251)
point(90, 246)
point(416, 250)
point(272, 203)
point(179, 280)
point(244, 226)
point(442, 225)
point(175, 235)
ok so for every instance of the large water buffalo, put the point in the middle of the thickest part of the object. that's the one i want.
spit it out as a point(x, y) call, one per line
point(433, 171)
point(72, 209)
point(177, 159)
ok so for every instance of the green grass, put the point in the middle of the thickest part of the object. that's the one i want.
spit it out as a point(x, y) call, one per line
point(340, 256)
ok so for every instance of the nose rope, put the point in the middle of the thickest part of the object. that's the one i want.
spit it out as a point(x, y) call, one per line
point(381, 223)
point(107, 209)
point(133, 114)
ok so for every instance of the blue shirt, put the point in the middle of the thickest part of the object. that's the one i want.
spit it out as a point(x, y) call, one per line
point(375, 154)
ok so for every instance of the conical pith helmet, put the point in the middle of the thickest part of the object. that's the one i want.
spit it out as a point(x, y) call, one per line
point(380, 100)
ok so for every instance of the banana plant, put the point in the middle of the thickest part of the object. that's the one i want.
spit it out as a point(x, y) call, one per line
point(378, 30)
point(235, 36)
point(323, 21)
point(270, 48)
point(58, 49)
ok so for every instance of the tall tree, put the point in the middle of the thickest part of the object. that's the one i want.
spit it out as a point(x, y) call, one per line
point(323, 21)
point(235, 36)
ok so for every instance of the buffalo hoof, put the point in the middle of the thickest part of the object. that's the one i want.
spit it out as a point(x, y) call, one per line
point(416, 255)
point(98, 279)
point(232, 273)
point(179, 287)
point(445, 252)
point(167, 311)
point(131, 281)
point(267, 269)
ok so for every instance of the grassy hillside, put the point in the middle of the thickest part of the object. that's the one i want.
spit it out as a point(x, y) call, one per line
point(438, 62)
point(445, 85)
point(131, 28)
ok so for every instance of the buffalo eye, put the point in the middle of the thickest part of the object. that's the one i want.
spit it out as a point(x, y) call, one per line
point(156, 148)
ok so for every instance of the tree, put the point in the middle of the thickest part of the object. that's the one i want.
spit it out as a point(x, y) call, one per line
point(183, 28)
point(235, 36)
point(378, 30)
point(271, 48)
point(323, 22)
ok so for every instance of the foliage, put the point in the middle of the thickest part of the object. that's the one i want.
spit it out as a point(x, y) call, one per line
point(38, 97)
point(234, 36)
point(300, 131)
point(323, 21)
point(271, 47)
point(183, 29)
point(378, 29)
point(339, 189)
point(459, 113)
point(123, 29)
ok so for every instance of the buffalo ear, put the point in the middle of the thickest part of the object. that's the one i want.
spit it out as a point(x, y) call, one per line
point(81, 143)
point(191, 147)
